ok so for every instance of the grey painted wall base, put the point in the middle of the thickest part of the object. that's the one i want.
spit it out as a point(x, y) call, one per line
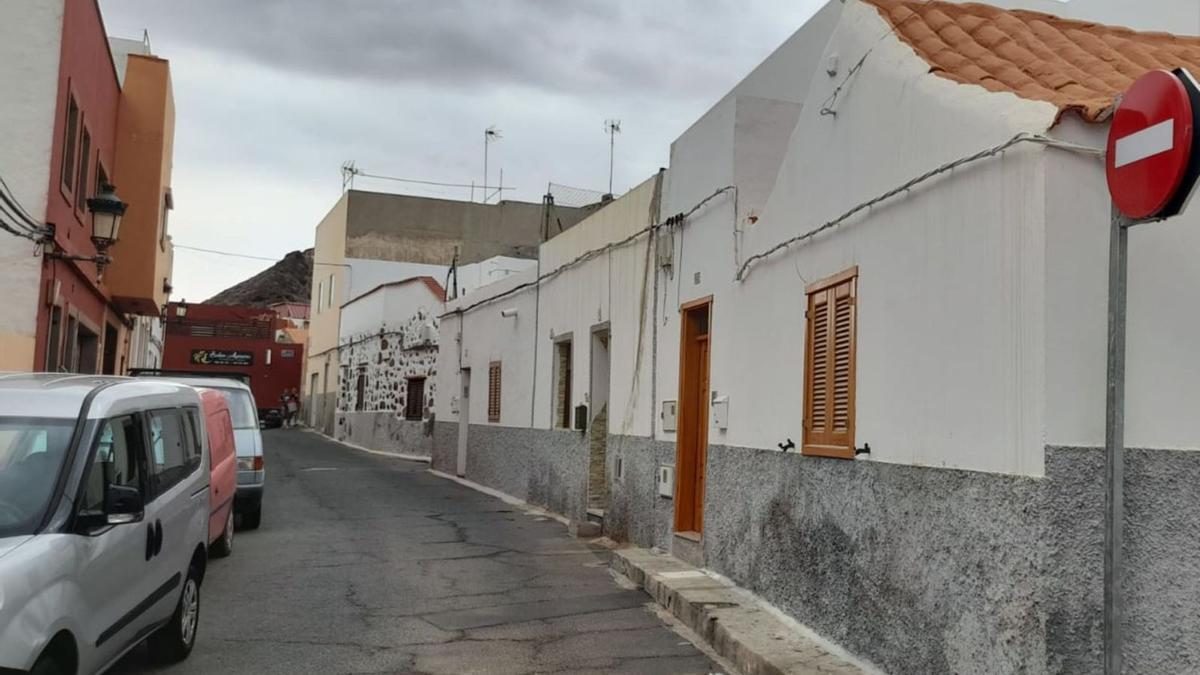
point(384, 431)
point(943, 571)
point(544, 467)
point(636, 513)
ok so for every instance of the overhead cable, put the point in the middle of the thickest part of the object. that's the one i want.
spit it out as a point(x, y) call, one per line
point(9, 198)
point(1023, 137)
point(588, 255)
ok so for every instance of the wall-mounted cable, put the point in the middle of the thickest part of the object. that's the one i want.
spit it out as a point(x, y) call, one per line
point(1023, 137)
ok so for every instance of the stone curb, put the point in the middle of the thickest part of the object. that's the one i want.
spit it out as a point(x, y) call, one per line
point(753, 640)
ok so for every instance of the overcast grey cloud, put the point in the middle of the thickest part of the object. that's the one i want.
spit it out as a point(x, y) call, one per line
point(273, 95)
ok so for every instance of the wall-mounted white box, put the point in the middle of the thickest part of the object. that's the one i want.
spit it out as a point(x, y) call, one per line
point(666, 481)
point(668, 415)
point(720, 412)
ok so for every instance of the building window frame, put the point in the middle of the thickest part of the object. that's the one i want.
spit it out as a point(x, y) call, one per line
point(71, 125)
point(360, 389)
point(414, 399)
point(495, 390)
point(85, 160)
point(564, 355)
point(830, 363)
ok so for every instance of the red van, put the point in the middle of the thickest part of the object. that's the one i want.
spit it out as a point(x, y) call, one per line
point(223, 463)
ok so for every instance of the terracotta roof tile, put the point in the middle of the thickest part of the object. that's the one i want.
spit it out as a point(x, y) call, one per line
point(1074, 65)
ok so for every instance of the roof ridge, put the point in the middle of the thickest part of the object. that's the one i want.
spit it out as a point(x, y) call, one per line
point(1073, 64)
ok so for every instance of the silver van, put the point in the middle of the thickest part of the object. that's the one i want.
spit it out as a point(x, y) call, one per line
point(103, 520)
point(247, 435)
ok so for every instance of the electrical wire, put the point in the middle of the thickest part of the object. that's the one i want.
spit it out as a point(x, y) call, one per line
point(23, 216)
point(1023, 137)
point(589, 255)
point(225, 253)
point(429, 182)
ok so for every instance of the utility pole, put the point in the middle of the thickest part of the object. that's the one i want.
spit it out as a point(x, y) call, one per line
point(490, 134)
point(612, 127)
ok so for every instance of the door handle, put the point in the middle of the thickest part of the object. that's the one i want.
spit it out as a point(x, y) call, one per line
point(158, 537)
point(149, 541)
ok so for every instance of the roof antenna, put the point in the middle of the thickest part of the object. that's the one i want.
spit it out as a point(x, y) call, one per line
point(612, 127)
point(349, 171)
point(490, 135)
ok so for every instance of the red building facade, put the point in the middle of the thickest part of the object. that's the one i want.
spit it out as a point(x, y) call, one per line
point(79, 329)
point(249, 340)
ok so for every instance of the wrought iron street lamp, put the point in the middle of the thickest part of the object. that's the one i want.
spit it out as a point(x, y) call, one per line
point(107, 210)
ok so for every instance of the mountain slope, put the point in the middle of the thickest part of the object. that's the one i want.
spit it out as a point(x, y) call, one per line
point(289, 280)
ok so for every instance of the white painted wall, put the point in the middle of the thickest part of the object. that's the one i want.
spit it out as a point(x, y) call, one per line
point(949, 362)
point(487, 336)
point(387, 308)
point(30, 45)
point(574, 302)
point(1163, 356)
point(607, 289)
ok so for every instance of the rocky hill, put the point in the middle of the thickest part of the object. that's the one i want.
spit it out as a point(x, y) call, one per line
point(289, 280)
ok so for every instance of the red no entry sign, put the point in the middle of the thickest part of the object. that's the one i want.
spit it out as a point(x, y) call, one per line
point(1152, 161)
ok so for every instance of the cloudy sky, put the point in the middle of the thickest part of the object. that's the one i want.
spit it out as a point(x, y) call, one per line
point(272, 96)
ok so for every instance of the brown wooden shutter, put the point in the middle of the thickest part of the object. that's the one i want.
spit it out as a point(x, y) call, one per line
point(494, 392)
point(830, 357)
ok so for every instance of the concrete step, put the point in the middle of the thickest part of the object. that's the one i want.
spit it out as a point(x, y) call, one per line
point(596, 516)
point(736, 625)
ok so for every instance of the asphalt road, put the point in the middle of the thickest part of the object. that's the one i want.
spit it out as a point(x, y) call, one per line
point(370, 564)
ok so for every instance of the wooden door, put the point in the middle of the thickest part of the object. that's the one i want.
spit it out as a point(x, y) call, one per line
point(692, 435)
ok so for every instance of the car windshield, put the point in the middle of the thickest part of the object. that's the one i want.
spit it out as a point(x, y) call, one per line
point(31, 454)
point(241, 408)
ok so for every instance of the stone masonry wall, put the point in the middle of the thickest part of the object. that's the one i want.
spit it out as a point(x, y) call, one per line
point(388, 359)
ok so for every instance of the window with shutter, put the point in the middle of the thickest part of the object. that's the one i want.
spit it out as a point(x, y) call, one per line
point(494, 391)
point(414, 402)
point(830, 356)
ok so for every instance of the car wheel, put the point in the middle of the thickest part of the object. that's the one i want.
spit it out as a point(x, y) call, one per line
point(174, 641)
point(223, 546)
point(252, 519)
point(47, 665)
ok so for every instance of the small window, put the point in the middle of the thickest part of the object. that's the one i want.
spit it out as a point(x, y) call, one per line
point(175, 453)
point(85, 156)
point(119, 460)
point(562, 384)
point(320, 294)
point(70, 131)
point(329, 300)
point(168, 203)
point(414, 401)
point(494, 391)
point(830, 357)
point(360, 399)
point(101, 178)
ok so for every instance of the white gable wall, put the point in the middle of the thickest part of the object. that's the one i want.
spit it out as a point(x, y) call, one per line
point(1163, 356)
point(950, 286)
point(487, 336)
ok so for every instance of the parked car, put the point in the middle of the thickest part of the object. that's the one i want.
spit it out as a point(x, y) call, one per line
point(252, 475)
point(271, 418)
point(103, 521)
point(222, 459)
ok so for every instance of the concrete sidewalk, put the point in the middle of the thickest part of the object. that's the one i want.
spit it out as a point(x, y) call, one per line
point(729, 619)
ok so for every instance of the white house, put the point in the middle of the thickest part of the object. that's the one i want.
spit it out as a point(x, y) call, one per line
point(856, 348)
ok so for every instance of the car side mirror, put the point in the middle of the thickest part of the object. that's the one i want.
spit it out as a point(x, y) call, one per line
point(123, 504)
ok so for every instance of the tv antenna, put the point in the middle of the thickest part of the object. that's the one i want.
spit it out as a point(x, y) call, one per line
point(612, 127)
point(349, 171)
point(490, 135)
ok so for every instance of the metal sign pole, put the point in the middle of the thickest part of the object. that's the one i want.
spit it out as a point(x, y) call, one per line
point(1114, 444)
